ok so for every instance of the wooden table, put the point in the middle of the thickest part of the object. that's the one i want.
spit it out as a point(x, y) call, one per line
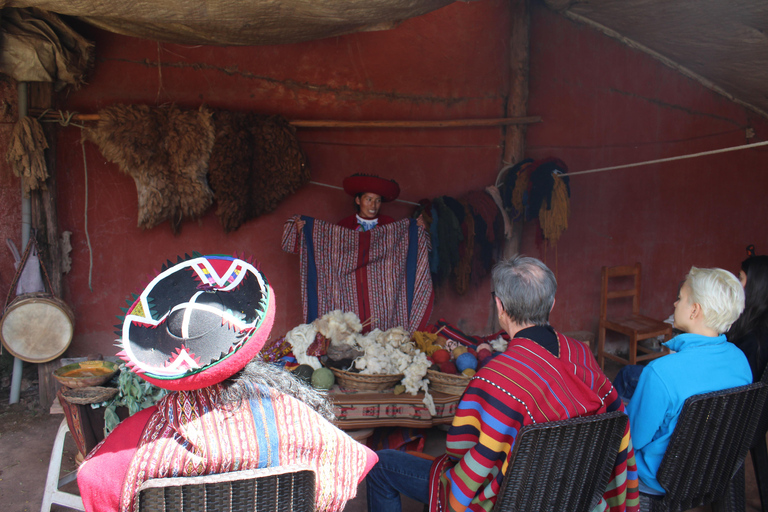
point(369, 409)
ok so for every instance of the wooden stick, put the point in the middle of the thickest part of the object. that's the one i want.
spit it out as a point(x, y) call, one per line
point(440, 329)
point(312, 123)
point(367, 322)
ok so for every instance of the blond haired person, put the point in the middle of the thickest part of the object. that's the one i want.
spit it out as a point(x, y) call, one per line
point(709, 301)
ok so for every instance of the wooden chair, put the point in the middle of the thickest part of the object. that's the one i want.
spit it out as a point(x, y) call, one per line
point(636, 326)
point(707, 450)
point(278, 489)
point(562, 465)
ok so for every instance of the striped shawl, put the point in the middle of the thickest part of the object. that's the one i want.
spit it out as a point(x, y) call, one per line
point(524, 385)
point(192, 435)
point(381, 274)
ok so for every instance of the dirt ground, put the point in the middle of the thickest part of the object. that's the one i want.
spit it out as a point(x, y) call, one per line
point(27, 434)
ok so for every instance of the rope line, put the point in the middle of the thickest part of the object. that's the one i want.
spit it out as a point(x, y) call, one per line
point(670, 159)
point(87, 236)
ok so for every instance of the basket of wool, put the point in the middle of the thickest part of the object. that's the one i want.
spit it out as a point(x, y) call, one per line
point(447, 383)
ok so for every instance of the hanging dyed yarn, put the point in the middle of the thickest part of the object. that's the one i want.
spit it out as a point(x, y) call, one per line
point(554, 220)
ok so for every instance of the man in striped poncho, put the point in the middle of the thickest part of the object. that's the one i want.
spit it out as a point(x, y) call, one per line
point(542, 376)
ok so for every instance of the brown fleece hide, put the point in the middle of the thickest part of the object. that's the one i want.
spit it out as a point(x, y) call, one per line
point(166, 151)
point(256, 161)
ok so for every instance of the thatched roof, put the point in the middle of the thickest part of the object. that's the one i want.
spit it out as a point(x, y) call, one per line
point(722, 44)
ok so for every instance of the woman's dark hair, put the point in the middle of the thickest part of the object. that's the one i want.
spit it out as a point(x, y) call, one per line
point(249, 382)
point(755, 315)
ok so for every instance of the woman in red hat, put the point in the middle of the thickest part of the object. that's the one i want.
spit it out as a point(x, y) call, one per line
point(369, 192)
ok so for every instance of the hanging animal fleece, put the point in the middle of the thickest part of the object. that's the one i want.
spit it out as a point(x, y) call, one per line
point(172, 153)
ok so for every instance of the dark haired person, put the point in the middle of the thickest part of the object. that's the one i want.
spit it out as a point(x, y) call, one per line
point(195, 330)
point(542, 376)
point(750, 331)
point(369, 192)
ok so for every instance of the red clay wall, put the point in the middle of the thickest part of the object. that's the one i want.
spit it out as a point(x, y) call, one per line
point(602, 104)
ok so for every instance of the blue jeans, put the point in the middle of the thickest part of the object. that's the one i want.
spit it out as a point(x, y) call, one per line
point(626, 381)
point(397, 472)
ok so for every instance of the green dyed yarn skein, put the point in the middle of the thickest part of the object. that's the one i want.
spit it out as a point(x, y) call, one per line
point(323, 378)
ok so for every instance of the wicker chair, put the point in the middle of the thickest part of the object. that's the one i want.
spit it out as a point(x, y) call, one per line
point(703, 463)
point(759, 452)
point(278, 489)
point(562, 465)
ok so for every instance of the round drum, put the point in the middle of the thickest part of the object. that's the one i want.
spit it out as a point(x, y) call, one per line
point(37, 327)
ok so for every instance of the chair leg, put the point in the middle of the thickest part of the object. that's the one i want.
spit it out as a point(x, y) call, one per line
point(760, 462)
point(633, 349)
point(52, 494)
point(601, 347)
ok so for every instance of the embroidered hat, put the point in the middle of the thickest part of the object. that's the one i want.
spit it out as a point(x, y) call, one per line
point(362, 183)
point(198, 322)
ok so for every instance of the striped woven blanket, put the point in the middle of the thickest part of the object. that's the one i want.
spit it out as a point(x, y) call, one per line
point(381, 274)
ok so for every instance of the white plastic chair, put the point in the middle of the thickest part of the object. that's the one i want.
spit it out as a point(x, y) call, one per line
point(53, 482)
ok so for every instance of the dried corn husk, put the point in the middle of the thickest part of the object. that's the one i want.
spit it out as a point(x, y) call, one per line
point(26, 154)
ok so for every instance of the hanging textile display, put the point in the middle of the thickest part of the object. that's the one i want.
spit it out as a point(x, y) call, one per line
point(255, 163)
point(165, 150)
point(381, 275)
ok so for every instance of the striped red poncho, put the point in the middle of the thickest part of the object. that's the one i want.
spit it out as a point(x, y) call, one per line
point(526, 384)
point(190, 433)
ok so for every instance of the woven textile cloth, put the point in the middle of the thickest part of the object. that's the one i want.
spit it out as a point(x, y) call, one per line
point(525, 385)
point(381, 274)
point(190, 433)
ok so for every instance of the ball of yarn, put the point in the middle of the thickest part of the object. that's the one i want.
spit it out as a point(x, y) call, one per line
point(483, 354)
point(472, 351)
point(323, 378)
point(461, 349)
point(441, 341)
point(399, 389)
point(486, 346)
point(466, 360)
point(441, 356)
point(435, 367)
point(469, 372)
point(304, 372)
point(449, 367)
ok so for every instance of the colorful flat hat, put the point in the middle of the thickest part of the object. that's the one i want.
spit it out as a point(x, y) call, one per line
point(362, 183)
point(198, 322)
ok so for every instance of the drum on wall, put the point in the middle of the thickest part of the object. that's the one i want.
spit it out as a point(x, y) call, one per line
point(37, 327)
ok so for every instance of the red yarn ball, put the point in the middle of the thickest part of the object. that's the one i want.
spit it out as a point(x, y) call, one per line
point(449, 367)
point(483, 354)
point(441, 356)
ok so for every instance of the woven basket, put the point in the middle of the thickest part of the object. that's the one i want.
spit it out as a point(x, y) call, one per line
point(89, 395)
point(366, 382)
point(447, 383)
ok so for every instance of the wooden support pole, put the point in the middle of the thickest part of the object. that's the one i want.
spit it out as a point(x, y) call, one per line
point(45, 221)
point(328, 123)
point(517, 107)
point(517, 102)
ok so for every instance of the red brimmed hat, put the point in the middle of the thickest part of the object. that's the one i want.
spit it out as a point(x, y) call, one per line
point(198, 322)
point(362, 183)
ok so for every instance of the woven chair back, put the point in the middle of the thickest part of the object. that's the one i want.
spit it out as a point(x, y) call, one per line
point(279, 489)
point(562, 465)
point(708, 446)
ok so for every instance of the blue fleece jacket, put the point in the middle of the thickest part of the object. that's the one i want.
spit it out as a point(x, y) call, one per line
point(701, 364)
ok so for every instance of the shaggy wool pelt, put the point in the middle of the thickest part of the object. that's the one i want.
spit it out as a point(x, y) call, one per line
point(256, 162)
point(165, 150)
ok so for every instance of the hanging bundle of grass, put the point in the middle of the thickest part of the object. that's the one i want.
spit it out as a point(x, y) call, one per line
point(26, 154)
